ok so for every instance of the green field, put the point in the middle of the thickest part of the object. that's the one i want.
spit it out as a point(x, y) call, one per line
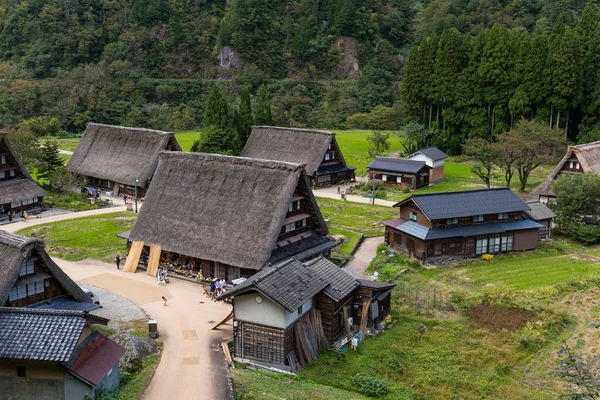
point(356, 217)
point(86, 237)
point(351, 239)
point(186, 139)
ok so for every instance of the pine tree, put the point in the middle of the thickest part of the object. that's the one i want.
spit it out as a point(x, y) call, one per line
point(535, 71)
point(263, 107)
point(50, 161)
point(244, 120)
point(216, 110)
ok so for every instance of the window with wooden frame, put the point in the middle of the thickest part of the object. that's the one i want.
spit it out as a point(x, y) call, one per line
point(413, 215)
point(503, 215)
point(478, 218)
point(294, 206)
point(452, 221)
point(3, 159)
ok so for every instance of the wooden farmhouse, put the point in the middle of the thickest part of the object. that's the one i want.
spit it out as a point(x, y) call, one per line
point(53, 354)
point(578, 160)
point(434, 159)
point(227, 217)
point(398, 171)
point(317, 150)
point(18, 190)
point(119, 159)
point(30, 278)
point(284, 314)
point(443, 226)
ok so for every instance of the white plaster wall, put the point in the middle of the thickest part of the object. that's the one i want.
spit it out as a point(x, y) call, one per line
point(291, 317)
point(266, 313)
point(422, 157)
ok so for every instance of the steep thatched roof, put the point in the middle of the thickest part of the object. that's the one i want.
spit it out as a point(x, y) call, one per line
point(120, 154)
point(587, 154)
point(20, 188)
point(14, 252)
point(220, 208)
point(300, 146)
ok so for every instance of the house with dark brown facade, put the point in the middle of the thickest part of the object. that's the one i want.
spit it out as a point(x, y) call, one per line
point(18, 190)
point(227, 217)
point(286, 313)
point(579, 159)
point(463, 224)
point(434, 159)
point(317, 150)
point(30, 278)
point(398, 171)
point(120, 159)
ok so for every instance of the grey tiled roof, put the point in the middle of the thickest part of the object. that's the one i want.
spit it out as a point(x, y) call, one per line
point(539, 211)
point(302, 249)
point(29, 334)
point(341, 283)
point(424, 233)
point(467, 203)
point(396, 165)
point(432, 152)
point(290, 284)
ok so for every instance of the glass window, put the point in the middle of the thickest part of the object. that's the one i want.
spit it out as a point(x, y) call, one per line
point(326, 156)
point(12, 172)
point(503, 216)
point(294, 206)
point(28, 268)
point(478, 218)
point(2, 160)
point(507, 243)
point(300, 224)
point(481, 245)
point(299, 310)
point(452, 221)
point(494, 245)
point(2, 174)
point(413, 215)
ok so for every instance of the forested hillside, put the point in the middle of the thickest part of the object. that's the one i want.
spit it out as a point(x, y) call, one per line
point(152, 62)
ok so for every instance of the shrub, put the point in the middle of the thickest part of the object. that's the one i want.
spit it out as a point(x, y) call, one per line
point(124, 378)
point(487, 257)
point(369, 385)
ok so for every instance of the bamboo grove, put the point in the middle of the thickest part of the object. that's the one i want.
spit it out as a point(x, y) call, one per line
point(478, 86)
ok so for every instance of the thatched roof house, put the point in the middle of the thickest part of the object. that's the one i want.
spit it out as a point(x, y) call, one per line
point(317, 150)
point(118, 158)
point(29, 276)
point(579, 159)
point(18, 190)
point(231, 214)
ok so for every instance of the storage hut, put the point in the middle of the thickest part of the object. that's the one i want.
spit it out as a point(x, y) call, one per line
point(120, 159)
point(317, 150)
point(227, 217)
point(18, 190)
point(434, 159)
point(541, 214)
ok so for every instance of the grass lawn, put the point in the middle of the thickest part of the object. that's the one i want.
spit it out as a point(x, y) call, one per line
point(187, 138)
point(345, 249)
point(86, 237)
point(259, 385)
point(534, 270)
point(354, 147)
point(68, 144)
point(356, 217)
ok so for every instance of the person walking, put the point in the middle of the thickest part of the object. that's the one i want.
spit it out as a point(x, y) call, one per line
point(213, 288)
point(25, 216)
point(125, 199)
point(164, 299)
point(118, 260)
point(371, 198)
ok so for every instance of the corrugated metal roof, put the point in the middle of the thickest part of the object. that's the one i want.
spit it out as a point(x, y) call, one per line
point(398, 165)
point(468, 203)
point(539, 211)
point(424, 233)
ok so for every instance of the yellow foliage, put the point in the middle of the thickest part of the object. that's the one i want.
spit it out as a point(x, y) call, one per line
point(487, 257)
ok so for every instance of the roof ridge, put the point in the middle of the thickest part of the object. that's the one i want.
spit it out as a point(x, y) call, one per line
point(282, 128)
point(272, 269)
point(17, 241)
point(37, 311)
point(131, 128)
point(235, 160)
point(460, 191)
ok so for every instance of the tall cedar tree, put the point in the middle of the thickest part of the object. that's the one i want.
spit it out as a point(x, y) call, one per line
point(216, 110)
point(50, 161)
point(244, 120)
point(263, 107)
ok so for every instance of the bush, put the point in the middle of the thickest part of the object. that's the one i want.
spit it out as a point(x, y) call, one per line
point(124, 378)
point(368, 385)
point(487, 257)
point(588, 234)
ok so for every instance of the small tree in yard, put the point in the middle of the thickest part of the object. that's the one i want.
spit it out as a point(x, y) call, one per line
point(484, 154)
point(51, 160)
point(577, 196)
point(379, 143)
point(414, 136)
point(532, 144)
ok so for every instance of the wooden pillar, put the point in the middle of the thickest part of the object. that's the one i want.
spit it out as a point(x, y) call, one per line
point(153, 260)
point(133, 258)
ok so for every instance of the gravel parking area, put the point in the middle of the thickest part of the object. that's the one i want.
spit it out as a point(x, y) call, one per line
point(115, 307)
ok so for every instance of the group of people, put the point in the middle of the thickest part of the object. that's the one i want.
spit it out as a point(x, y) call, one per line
point(162, 276)
point(217, 287)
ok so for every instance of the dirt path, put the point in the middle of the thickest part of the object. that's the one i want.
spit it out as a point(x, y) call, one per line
point(331, 193)
point(61, 217)
point(191, 366)
point(363, 257)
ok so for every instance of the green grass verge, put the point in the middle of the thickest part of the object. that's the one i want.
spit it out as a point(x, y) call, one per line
point(70, 201)
point(262, 385)
point(534, 270)
point(356, 217)
point(86, 237)
point(139, 382)
point(345, 249)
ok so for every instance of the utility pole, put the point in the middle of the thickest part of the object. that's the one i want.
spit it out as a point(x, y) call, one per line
point(136, 194)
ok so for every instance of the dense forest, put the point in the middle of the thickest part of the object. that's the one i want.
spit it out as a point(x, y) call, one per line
point(327, 63)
